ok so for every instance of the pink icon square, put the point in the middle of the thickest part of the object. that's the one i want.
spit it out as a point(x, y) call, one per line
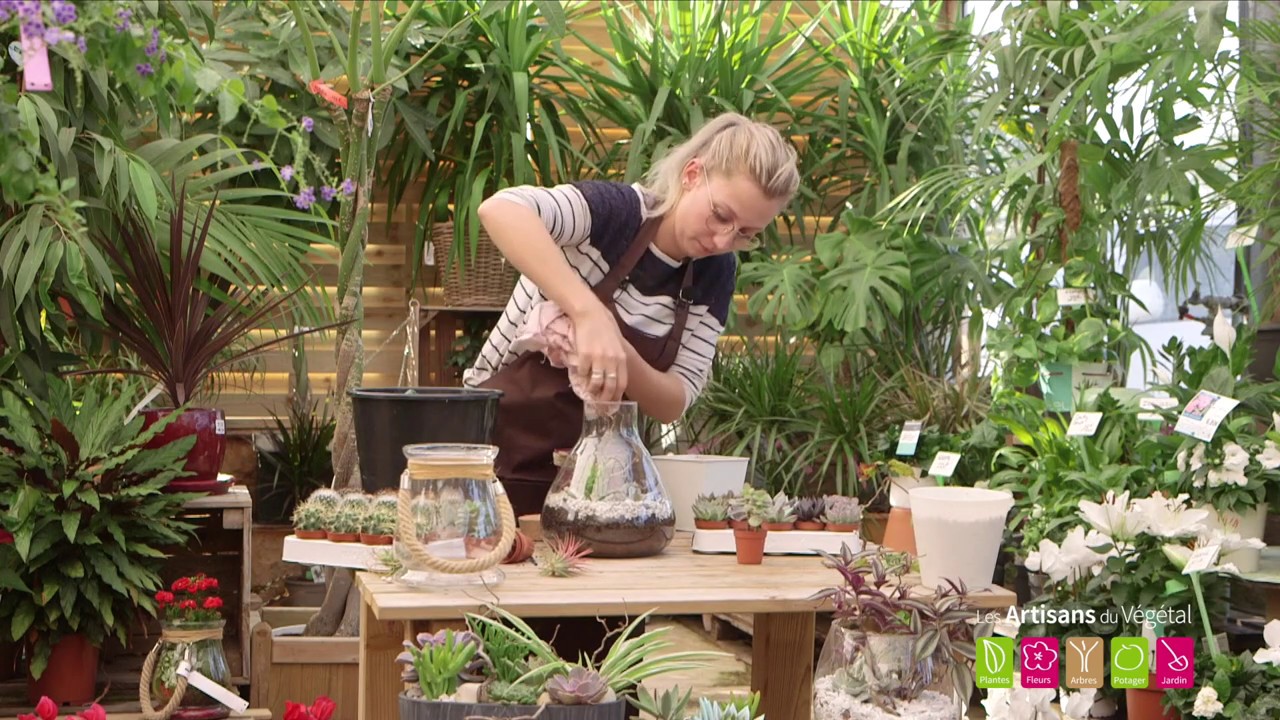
point(1175, 662)
point(1038, 660)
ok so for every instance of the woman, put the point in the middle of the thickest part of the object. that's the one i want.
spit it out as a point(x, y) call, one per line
point(645, 273)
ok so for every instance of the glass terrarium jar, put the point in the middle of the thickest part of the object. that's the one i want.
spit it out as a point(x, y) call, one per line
point(206, 656)
point(861, 674)
point(608, 493)
point(450, 523)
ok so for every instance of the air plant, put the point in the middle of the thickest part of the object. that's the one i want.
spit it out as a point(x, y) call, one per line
point(562, 556)
point(579, 686)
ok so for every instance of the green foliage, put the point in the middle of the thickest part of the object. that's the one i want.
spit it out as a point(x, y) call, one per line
point(670, 705)
point(1247, 689)
point(86, 505)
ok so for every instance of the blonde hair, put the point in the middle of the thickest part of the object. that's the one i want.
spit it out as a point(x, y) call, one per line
point(731, 144)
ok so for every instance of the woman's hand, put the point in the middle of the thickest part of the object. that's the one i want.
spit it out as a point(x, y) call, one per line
point(601, 351)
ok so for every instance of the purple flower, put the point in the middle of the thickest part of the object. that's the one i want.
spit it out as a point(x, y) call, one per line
point(123, 15)
point(163, 56)
point(286, 173)
point(82, 44)
point(305, 198)
point(33, 28)
point(327, 193)
point(29, 9)
point(63, 12)
point(307, 123)
point(6, 10)
point(145, 69)
point(348, 187)
point(257, 164)
point(53, 36)
point(154, 46)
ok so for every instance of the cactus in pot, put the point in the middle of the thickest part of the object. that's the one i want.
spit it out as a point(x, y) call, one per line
point(310, 520)
point(379, 525)
point(347, 520)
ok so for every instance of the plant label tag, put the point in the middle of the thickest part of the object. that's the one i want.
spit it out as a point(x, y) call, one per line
point(944, 464)
point(1071, 297)
point(1242, 236)
point(909, 438)
point(1155, 403)
point(220, 427)
point(15, 53)
point(1202, 416)
point(1084, 424)
point(1202, 559)
point(36, 76)
point(237, 704)
point(429, 254)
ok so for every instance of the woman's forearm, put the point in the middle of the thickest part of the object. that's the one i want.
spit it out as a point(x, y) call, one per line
point(519, 234)
point(660, 395)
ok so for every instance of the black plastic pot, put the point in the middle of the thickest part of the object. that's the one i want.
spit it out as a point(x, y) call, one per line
point(387, 419)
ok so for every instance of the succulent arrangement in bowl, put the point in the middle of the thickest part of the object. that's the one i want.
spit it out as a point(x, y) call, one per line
point(499, 667)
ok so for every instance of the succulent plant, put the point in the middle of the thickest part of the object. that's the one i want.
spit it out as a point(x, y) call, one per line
point(711, 507)
point(841, 510)
point(388, 499)
point(501, 691)
point(781, 509)
point(752, 507)
point(310, 516)
point(579, 686)
point(810, 509)
point(670, 705)
point(379, 520)
point(325, 498)
point(712, 710)
point(354, 500)
point(438, 662)
point(562, 556)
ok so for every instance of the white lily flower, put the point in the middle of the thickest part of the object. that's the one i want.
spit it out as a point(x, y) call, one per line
point(1171, 517)
point(1207, 703)
point(1078, 552)
point(1115, 517)
point(1234, 457)
point(1271, 653)
point(1076, 705)
point(1047, 559)
point(1229, 542)
point(1269, 458)
point(1224, 334)
point(1181, 460)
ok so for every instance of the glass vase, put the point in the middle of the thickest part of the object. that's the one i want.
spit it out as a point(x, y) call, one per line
point(206, 657)
point(608, 493)
point(859, 673)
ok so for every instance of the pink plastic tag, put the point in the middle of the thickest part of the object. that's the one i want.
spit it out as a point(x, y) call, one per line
point(35, 64)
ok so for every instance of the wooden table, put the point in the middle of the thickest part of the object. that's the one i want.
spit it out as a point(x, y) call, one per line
point(678, 582)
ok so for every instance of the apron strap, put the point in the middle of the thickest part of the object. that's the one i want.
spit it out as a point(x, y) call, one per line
point(613, 280)
point(672, 345)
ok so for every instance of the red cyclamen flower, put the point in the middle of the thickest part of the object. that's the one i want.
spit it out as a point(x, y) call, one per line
point(212, 603)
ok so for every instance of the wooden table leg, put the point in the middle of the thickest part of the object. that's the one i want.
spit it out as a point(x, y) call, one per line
point(380, 643)
point(1272, 593)
point(782, 664)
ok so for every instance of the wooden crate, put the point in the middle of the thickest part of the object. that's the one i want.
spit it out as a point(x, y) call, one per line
point(298, 669)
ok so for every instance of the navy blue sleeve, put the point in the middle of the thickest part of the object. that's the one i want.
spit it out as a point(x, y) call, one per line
point(714, 281)
point(616, 216)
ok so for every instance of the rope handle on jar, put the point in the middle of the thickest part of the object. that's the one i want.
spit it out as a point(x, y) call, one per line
point(186, 637)
point(406, 526)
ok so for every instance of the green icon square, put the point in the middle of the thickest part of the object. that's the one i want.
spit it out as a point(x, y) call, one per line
point(1130, 662)
point(996, 660)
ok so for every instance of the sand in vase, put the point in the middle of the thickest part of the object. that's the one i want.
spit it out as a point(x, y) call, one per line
point(831, 703)
point(613, 528)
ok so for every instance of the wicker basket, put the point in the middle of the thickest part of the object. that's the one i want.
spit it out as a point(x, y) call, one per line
point(485, 280)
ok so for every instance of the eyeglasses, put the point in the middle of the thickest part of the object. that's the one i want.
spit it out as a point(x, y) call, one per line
point(719, 224)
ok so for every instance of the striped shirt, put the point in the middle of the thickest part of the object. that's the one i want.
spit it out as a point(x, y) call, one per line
point(593, 223)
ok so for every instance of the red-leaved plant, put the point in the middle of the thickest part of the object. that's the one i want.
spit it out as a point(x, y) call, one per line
point(321, 709)
point(190, 600)
point(47, 709)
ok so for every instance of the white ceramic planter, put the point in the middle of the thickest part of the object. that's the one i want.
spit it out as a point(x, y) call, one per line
point(1251, 524)
point(958, 533)
point(685, 477)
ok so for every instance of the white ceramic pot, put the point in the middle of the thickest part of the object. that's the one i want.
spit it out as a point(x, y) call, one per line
point(958, 533)
point(685, 477)
point(1252, 524)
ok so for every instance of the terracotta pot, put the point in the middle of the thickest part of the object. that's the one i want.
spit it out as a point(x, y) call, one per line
point(310, 534)
point(205, 457)
point(71, 676)
point(521, 549)
point(779, 527)
point(344, 537)
point(809, 525)
point(710, 524)
point(1144, 704)
point(841, 527)
point(873, 525)
point(739, 524)
point(750, 545)
point(900, 534)
point(368, 539)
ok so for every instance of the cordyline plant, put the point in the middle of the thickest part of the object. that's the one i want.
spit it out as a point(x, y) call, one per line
point(875, 599)
point(182, 322)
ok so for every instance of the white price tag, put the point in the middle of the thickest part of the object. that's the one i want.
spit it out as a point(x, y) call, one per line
point(1084, 424)
point(429, 255)
point(220, 427)
point(1202, 559)
point(236, 703)
point(1070, 297)
point(1242, 236)
point(1155, 403)
point(944, 464)
point(909, 438)
point(1202, 416)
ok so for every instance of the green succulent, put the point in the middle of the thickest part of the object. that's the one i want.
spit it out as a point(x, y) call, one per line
point(711, 507)
point(751, 506)
point(781, 509)
point(841, 510)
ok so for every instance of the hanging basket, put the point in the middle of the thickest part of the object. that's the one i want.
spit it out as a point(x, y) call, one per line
point(484, 279)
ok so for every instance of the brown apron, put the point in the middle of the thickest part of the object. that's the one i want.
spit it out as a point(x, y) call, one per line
point(539, 413)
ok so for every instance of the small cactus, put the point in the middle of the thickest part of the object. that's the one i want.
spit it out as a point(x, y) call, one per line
point(354, 500)
point(781, 509)
point(346, 520)
point(388, 499)
point(841, 510)
point(379, 520)
point(810, 509)
point(325, 498)
point(310, 516)
point(711, 507)
point(579, 686)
